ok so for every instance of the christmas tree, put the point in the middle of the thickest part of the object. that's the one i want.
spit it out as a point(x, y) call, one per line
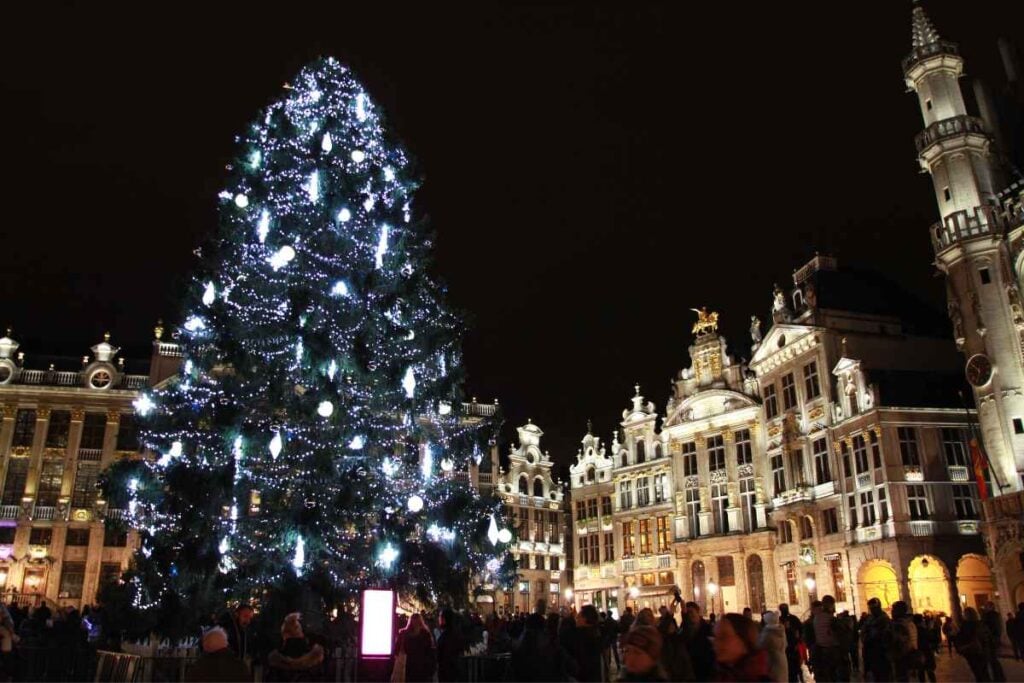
point(314, 437)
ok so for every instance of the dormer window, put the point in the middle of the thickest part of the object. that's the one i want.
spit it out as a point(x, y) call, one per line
point(591, 474)
point(524, 485)
point(641, 455)
point(538, 488)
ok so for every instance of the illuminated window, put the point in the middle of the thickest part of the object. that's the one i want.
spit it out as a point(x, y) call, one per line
point(627, 539)
point(791, 582)
point(51, 475)
point(664, 544)
point(647, 579)
point(645, 536)
point(835, 568)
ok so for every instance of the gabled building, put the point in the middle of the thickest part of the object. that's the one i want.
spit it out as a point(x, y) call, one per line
point(595, 572)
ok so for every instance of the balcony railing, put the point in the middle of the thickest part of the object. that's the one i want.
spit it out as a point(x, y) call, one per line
point(958, 473)
point(90, 454)
point(948, 128)
point(117, 513)
point(922, 53)
point(9, 511)
point(922, 528)
point(45, 512)
point(964, 225)
point(1005, 507)
point(71, 378)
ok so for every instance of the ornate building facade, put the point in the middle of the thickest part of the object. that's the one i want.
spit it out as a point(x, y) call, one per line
point(595, 579)
point(979, 247)
point(59, 540)
point(534, 504)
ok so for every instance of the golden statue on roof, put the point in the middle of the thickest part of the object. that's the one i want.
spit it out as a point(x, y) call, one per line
point(706, 322)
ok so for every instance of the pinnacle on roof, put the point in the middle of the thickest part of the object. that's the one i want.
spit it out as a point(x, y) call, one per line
point(922, 32)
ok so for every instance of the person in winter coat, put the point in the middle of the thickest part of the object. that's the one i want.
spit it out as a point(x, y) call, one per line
point(218, 662)
point(737, 657)
point(450, 646)
point(297, 659)
point(587, 646)
point(773, 641)
point(675, 659)
point(697, 635)
point(926, 648)
point(791, 624)
point(970, 642)
point(641, 651)
point(416, 641)
point(990, 617)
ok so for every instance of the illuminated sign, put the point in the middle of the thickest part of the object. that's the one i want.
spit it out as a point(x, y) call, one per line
point(377, 619)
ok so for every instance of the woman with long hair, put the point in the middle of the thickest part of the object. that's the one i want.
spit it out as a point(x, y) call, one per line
point(417, 644)
point(737, 657)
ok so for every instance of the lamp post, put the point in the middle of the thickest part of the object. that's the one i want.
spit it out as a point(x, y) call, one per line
point(811, 584)
point(568, 597)
point(712, 591)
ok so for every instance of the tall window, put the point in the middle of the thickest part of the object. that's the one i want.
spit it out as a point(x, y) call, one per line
point(788, 391)
point(660, 488)
point(954, 445)
point(645, 536)
point(963, 502)
point(657, 451)
point(93, 428)
point(625, 494)
point(791, 582)
point(538, 562)
point(643, 492)
point(595, 549)
point(554, 526)
point(771, 402)
point(592, 508)
point(582, 554)
point(778, 474)
point(609, 547)
point(606, 506)
point(908, 446)
point(835, 568)
point(627, 539)
point(716, 453)
point(581, 510)
point(744, 451)
point(806, 528)
point(852, 509)
point(57, 431)
point(844, 453)
point(747, 498)
point(24, 427)
point(822, 473)
point(128, 433)
point(689, 459)
point(524, 485)
point(917, 501)
point(693, 511)
point(538, 525)
point(625, 458)
point(812, 388)
point(831, 518)
point(85, 493)
point(641, 452)
point(719, 503)
point(538, 488)
point(876, 450)
point(553, 563)
point(883, 505)
point(860, 453)
point(664, 544)
point(14, 484)
point(867, 508)
point(72, 578)
point(50, 476)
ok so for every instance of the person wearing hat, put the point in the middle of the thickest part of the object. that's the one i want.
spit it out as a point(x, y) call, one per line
point(641, 651)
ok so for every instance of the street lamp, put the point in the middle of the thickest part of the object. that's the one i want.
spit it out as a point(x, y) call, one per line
point(712, 591)
point(810, 583)
point(568, 596)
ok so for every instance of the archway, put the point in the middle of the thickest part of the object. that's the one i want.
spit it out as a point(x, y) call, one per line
point(877, 579)
point(699, 585)
point(755, 584)
point(974, 582)
point(928, 582)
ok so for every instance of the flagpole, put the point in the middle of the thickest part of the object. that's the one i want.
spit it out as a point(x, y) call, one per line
point(976, 434)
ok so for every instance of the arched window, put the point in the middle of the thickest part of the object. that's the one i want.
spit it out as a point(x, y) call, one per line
point(524, 485)
point(591, 474)
point(699, 587)
point(806, 528)
point(625, 458)
point(755, 583)
point(785, 531)
point(657, 451)
point(641, 456)
point(538, 487)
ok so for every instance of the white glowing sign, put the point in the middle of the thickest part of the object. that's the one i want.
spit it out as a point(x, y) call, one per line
point(376, 618)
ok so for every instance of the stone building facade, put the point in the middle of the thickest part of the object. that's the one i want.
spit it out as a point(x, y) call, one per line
point(62, 425)
point(595, 579)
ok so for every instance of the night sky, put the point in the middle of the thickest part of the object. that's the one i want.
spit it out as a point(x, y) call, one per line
point(592, 172)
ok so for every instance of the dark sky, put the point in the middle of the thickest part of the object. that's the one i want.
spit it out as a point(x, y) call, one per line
point(592, 171)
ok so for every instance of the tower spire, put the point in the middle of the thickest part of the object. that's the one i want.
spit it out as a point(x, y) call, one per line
point(922, 32)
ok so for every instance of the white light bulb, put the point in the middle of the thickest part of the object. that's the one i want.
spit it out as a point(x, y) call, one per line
point(415, 503)
point(313, 188)
point(358, 155)
point(504, 536)
point(283, 256)
point(357, 442)
point(326, 144)
point(325, 409)
point(382, 245)
point(409, 383)
point(344, 215)
point(263, 229)
point(339, 288)
point(241, 201)
point(143, 405)
point(209, 294)
point(492, 531)
point(447, 465)
point(275, 445)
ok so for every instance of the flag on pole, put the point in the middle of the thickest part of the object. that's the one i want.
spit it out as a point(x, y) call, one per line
point(979, 465)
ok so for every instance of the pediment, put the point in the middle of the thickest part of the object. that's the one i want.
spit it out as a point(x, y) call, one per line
point(709, 404)
point(783, 339)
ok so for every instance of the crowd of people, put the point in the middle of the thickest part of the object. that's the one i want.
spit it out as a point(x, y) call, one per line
point(677, 643)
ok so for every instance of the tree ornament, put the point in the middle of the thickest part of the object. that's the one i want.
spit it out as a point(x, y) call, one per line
point(209, 294)
point(415, 503)
point(325, 409)
point(275, 445)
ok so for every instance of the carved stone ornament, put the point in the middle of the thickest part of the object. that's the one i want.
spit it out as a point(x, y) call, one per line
point(745, 471)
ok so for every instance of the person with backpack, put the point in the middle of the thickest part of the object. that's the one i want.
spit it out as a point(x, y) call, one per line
point(906, 657)
point(876, 635)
